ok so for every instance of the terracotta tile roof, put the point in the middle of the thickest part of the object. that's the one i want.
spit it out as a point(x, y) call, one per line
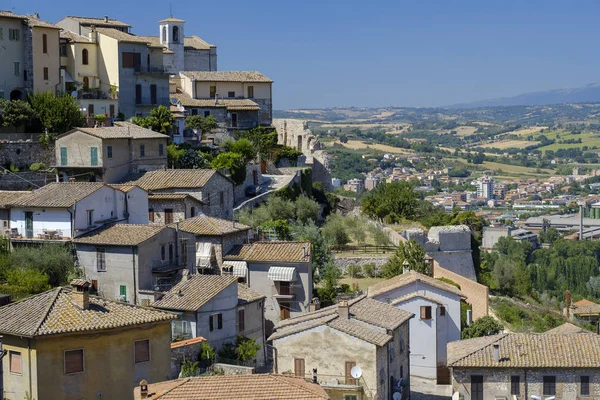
point(86, 21)
point(407, 279)
point(123, 188)
point(247, 295)
point(414, 296)
point(52, 312)
point(190, 43)
point(73, 37)
point(271, 251)
point(566, 328)
point(367, 317)
point(171, 196)
point(226, 387)
point(193, 293)
point(230, 104)
point(210, 226)
point(38, 23)
point(527, 350)
point(189, 342)
point(120, 130)
point(584, 302)
point(10, 14)
point(173, 178)
point(171, 19)
point(226, 76)
point(57, 194)
point(121, 235)
point(9, 196)
point(123, 36)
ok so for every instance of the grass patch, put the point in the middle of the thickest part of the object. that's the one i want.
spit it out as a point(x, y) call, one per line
point(518, 316)
point(363, 283)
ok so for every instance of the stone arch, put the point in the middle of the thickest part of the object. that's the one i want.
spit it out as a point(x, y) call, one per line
point(175, 34)
point(164, 34)
point(16, 95)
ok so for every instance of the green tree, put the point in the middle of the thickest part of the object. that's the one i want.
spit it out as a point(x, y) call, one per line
point(58, 113)
point(380, 237)
point(550, 236)
point(160, 120)
point(391, 202)
point(174, 154)
point(246, 349)
point(409, 251)
point(243, 147)
point(504, 273)
point(328, 290)
point(335, 231)
point(189, 368)
point(207, 353)
point(484, 326)
point(264, 140)
point(321, 256)
point(306, 209)
point(193, 159)
point(23, 282)
point(356, 229)
point(234, 163)
point(201, 124)
point(15, 113)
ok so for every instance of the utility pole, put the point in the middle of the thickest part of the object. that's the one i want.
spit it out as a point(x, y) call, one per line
point(581, 210)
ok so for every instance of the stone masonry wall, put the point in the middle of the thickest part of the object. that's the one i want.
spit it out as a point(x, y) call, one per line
point(23, 154)
point(229, 369)
point(25, 180)
point(344, 262)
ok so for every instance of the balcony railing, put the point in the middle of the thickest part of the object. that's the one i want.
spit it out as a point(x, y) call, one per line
point(37, 234)
point(150, 69)
point(96, 94)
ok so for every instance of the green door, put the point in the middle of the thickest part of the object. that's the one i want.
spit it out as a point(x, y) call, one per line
point(28, 224)
point(94, 156)
point(123, 293)
point(63, 156)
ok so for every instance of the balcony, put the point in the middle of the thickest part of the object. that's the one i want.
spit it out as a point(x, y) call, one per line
point(96, 94)
point(163, 266)
point(151, 69)
point(26, 235)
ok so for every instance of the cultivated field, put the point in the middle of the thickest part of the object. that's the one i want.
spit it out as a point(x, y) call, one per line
point(358, 145)
point(507, 144)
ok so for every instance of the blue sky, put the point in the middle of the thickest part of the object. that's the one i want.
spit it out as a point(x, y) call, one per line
point(325, 53)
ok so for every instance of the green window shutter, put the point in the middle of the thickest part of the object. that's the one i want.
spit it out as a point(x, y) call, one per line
point(123, 292)
point(94, 156)
point(63, 156)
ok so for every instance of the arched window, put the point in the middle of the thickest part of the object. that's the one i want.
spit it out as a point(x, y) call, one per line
point(84, 57)
point(164, 34)
point(86, 82)
point(175, 34)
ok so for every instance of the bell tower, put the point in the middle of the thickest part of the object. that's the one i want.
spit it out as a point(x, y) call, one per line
point(172, 37)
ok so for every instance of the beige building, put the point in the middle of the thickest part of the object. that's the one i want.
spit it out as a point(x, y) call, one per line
point(358, 349)
point(66, 343)
point(110, 153)
point(29, 48)
point(526, 366)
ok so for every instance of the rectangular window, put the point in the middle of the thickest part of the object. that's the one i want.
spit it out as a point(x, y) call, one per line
point(111, 110)
point(131, 60)
point(46, 73)
point(14, 34)
point(151, 214)
point(442, 311)
point(63, 156)
point(549, 386)
point(222, 197)
point(1, 33)
point(90, 217)
point(348, 368)
point(108, 151)
point(44, 43)
point(213, 92)
point(299, 367)
point(215, 322)
point(17, 68)
point(206, 114)
point(123, 293)
point(170, 252)
point(585, 386)
point(230, 94)
point(194, 111)
point(352, 396)
point(63, 50)
point(100, 259)
point(74, 361)
point(94, 156)
point(250, 92)
point(161, 149)
point(91, 110)
point(142, 150)
point(476, 387)
point(138, 94)
point(153, 97)
point(515, 385)
point(168, 216)
point(425, 312)
point(141, 350)
point(163, 252)
point(241, 321)
point(184, 258)
point(15, 362)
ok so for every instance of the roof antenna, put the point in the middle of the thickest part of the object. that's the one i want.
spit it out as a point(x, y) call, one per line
point(171, 10)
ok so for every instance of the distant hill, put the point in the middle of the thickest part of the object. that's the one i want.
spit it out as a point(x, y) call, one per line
point(586, 94)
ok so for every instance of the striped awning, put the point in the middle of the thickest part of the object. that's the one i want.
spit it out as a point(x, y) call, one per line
point(282, 274)
point(238, 268)
point(204, 252)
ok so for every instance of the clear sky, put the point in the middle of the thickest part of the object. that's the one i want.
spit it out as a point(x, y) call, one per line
point(325, 53)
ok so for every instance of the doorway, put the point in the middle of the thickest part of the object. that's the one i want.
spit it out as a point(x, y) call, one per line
point(29, 224)
point(234, 120)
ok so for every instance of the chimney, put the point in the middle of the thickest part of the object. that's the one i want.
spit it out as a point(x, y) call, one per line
point(496, 352)
point(314, 305)
point(185, 275)
point(469, 317)
point(79, 294)
point(303, 252)
point(314, 378)
point(106, 18)
point(144, 389)
point(36, 15)
point(343, 309)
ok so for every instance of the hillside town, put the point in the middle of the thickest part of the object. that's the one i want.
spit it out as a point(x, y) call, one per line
point(165, 237)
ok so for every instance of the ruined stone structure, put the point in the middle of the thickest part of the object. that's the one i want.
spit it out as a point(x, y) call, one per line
point(295, 133)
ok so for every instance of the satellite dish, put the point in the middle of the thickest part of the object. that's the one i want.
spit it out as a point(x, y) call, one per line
point(174, 100)
point(74, 93)
point(356, 372)
point(180, 108)
point(396, 396)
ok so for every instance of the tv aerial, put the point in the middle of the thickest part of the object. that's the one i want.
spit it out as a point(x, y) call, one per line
point(356, 372)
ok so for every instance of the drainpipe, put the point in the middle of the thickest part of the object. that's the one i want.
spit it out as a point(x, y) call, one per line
point(134, 275)
point(526, 386)
point(29, 362)
point(177, 243)
point(262, 312)
point(72, 220)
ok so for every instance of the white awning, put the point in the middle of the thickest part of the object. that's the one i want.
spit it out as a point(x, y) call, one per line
point(204, 253)
point(68, 77)
point(282, 274)
point(238, 268)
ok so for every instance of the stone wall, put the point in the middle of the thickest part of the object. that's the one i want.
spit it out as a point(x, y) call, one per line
point(23, 154)
point(25, 180)
point(181, 351)
point(229, 369)
point(344, 262)
point(477, 294)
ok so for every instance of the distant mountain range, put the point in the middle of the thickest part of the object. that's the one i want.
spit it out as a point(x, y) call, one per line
point(589, 93)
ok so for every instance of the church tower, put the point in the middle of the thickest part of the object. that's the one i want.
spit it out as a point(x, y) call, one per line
point(172, 37)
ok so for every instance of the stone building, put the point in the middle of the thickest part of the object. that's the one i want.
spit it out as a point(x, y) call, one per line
point(110, 153)
point(327, 344)
point(167, 208)
point(526, 365)
point(208, 186)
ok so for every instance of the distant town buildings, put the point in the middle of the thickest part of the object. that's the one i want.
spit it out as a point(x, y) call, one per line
point(485, 187)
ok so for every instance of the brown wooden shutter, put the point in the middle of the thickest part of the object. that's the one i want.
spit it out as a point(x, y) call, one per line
point(349, 379)
point(299, 367)
point(73, 361)
point(112, 110)
point(142, 351)
point(210, 323)
point(16, 362)
point(241, 321)
point(423, 312)
point(220, 321)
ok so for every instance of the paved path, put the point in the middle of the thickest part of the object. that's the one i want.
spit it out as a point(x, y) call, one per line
point(426, 389)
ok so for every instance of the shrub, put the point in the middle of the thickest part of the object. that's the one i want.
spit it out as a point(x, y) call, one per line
point(355, 271)
point(370, 270)
point(484, 326)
